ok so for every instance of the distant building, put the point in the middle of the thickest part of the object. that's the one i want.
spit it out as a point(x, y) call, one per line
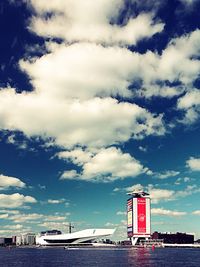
point(26, 239)
point(19, 240)
point(14, 239)
point(5, 241)
point(138, 216)
point(125, 243)
point(174, 238)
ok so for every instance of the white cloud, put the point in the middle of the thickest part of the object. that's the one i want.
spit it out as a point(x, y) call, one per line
point(133, 188)
point(14, 227)
point(167, 174)
point(178, 59)
point(161, 211)
point(106, 165)
point(4, 216)
point(54, 218)
point(120, 213)
point(183, 180)
point(78, 156)
point(25, 217)
point(9, 211)
point(63, 226)
point(11, 232)
point(111, 70)
point(95, 122)
point(196, 212)
point(143, 149)
point(56, 201)
point(7, 182)
point(190, 104)
point(33, 217)
point(72, 24)
point(188, 2)
point(193, 164)
point(69, 175)
point(152, 90)
point(15, 200)
point(112, 162)
point(158, 195)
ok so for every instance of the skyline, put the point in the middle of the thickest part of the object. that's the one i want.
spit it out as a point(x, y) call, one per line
point(97, 99)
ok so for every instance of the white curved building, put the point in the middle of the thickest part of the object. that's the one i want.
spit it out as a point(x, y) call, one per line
point(84, 236)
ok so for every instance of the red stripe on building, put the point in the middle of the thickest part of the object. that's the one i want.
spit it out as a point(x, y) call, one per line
point(141, 209)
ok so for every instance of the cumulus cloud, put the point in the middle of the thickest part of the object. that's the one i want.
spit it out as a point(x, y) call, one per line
point(70, 175)
point(167, 174)
point(77, 108)
point(35, 217)
point(158, 195)
point(14, 227)
point(56, 201)
point(172, 213)
point(193, 164)
point(120, 213)
point(97, 24)
point(4, 216)
point(7, 182)
point(143, 149)
point(105, 165)
point(188, 2)
point(196, 212)
point(8, 211)
point(190, 104)
point(15, 200)
point(95, 122)
point(78, 156)
point(111, 71)
point(55, 225)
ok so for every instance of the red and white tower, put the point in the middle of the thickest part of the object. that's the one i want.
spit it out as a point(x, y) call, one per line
point(138, 216)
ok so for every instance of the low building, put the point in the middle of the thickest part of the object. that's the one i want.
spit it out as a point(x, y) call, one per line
point(80, 237)
point(26, 239)
point(19, 240)
point(174, 238)
point(5, 241)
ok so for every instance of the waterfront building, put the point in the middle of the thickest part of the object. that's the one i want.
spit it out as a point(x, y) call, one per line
point(26, 239)
point(19, 240)
point(5, 241)
point(80, 237)
point(174, 238)
point(138, 216)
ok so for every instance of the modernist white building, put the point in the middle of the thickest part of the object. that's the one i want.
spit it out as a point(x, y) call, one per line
point(84, 236)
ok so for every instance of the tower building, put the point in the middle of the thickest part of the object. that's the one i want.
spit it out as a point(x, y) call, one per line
point(138, 216)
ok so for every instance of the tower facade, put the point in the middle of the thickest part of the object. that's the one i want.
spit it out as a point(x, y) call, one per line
point(138, 216)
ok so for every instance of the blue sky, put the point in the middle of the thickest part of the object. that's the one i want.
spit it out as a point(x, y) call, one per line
point(99, 98)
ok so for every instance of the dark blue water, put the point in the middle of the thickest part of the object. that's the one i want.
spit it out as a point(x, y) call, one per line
point(142, 257)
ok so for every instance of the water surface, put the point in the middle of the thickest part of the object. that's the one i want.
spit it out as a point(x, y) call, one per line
point(47, 257)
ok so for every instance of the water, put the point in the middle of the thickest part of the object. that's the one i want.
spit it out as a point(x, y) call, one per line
point(49, 257)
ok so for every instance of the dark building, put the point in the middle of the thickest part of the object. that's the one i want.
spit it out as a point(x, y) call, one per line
point(126, 243)
point(51, 232)
point(174, 238)
point(5, 241)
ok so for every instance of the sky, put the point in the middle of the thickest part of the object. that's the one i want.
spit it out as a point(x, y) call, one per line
point(97, 99)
